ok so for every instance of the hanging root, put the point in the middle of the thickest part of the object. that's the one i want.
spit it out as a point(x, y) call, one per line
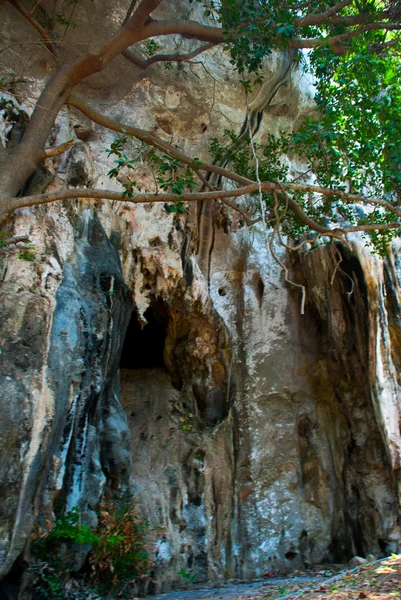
point(278, 218)
point(276, 258)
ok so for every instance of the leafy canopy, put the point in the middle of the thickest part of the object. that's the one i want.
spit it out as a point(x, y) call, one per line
point(352, 143)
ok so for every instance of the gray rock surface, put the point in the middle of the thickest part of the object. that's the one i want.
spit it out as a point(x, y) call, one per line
point(258, 438)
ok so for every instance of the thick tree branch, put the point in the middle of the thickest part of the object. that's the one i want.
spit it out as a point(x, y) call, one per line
point(141, 14)
point(9, 204)
point(14, 240)
point(29, 153)
point(136, 60)
point(191, 30)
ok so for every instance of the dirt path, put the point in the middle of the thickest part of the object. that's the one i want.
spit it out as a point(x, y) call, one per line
point(379, 580)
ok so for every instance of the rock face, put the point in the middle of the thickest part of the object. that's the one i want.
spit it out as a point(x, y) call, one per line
point(61, 359)
point(259, 438)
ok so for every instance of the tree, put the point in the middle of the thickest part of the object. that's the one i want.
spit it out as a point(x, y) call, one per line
point(351, 145)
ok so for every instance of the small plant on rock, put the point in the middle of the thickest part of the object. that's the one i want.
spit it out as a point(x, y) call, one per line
point(121, 556)
point(117, 554)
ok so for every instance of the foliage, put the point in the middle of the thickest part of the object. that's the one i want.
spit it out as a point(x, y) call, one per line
point(168, 173)
point(151, 47)
point(186, 424)
point(122, 550)
point(190, 577)
point(49, 21)
point(27, 253)
point(350, 145)
point(118, 553)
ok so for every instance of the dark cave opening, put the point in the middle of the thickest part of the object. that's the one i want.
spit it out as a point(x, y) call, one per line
point(144, 346)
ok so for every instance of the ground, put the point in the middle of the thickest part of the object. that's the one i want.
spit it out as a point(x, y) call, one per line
point(378, 580)
point(373, 581)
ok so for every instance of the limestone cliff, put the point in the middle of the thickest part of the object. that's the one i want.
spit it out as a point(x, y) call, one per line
point(257, 436)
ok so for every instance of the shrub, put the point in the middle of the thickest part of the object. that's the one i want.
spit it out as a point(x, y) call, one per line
point(117, 550)
point(122, 552)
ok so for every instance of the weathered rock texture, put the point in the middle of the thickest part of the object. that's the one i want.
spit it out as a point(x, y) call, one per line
point(257, 437)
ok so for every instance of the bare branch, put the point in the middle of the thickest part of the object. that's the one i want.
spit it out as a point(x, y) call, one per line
point(28, 16)
point(59, 149)
point(15, 240)
point(153, 140)
point(360, 18)
point(332, 41)
point(35, 7)
point(316, 19)
point(9, 204)
point(146, 63)
point(373, 227)
point(137, 60)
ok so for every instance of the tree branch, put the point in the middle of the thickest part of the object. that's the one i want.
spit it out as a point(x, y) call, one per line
point(146, 63)
point(136, 60)
point(141, 14)
point(15, 240)
point(191, 30)
point(156, 142)
point(345, 20)
point(58, 149)
point(9, 204)
point(335, 40)
point(322, 17)
point(139, 27)
point(28, 16)
point(153, 140)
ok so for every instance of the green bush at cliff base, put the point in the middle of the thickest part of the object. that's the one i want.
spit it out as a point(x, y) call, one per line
point(117, 554)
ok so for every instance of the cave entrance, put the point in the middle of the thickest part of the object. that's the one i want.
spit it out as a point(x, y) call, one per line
point(144, 347)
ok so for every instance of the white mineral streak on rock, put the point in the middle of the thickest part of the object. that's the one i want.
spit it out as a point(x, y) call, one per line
point(163, 551)
point(62, 459)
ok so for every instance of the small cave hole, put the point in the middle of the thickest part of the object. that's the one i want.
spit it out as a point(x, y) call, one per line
point(144, 347)
point(290, 555)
